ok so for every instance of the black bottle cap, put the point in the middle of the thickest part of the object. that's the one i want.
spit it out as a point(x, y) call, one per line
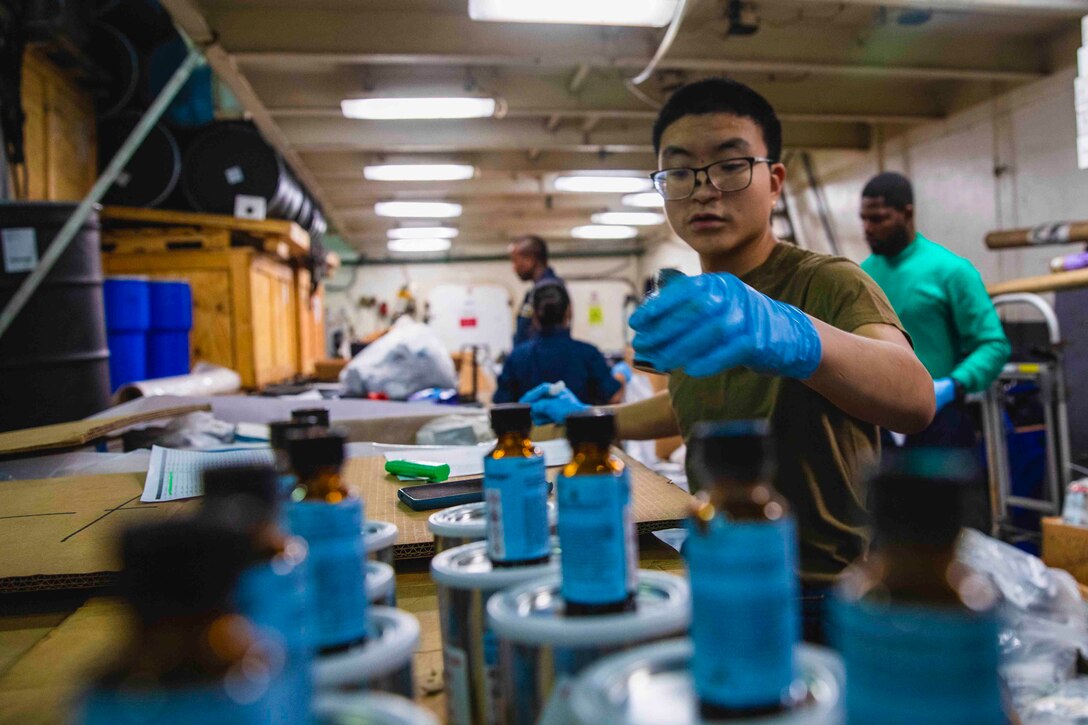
point(511, 418)
point(736, 449)
point(279, 430)
point(591, 426)
point(316, 416)
point(181, 568)
point(315, 448)
point(917, 494)
point(251, 491)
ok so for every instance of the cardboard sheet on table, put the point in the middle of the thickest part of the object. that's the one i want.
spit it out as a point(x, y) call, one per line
point(658, 504)
point(82, 432)
point(62, 533)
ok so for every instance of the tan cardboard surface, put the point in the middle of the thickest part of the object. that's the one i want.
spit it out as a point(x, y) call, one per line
point(657, 503)
point(61, 533)
point(81, 432)
point(43, 685)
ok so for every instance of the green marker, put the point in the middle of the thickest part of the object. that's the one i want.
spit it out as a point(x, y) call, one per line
point(170, 490)
point(431, 471)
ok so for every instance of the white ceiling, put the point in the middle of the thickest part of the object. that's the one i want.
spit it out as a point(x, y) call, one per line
point(834, 70)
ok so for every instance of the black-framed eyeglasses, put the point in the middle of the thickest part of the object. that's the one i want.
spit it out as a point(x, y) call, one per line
point(729, 175)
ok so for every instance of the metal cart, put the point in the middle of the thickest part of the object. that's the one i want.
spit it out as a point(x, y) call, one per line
point(1049, 376)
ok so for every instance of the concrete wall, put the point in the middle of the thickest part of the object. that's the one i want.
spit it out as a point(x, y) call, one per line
point(383, 282)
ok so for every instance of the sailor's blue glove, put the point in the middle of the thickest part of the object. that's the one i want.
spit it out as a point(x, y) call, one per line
point(622, 370)
point(714, 322)
point(944, 389)
point(552, 404)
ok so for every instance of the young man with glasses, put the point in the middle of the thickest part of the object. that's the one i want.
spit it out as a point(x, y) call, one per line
point(768, 330)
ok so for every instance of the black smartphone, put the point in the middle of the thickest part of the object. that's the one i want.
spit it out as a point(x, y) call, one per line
point(427, 496)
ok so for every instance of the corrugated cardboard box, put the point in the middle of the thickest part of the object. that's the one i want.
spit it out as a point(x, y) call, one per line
point(1066, 547)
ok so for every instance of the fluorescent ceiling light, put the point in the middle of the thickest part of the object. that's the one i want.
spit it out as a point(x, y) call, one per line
point(423, 209)
point(645, 13)
point(606, 184)
point(422, 233)
point(417, 108)
point(602, 231)
point(417, 246)
point(419, 172)
point(646, 200)
point(633, 218)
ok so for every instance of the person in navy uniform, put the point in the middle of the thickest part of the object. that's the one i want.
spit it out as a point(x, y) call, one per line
point(553, 356)
point(529, 254)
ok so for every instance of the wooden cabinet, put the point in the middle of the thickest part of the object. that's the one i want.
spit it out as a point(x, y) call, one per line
point(61, 156)
point(311, 322)
point(245, 307)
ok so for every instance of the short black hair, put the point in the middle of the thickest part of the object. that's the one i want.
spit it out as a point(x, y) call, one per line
point(535, 246)
point(550, 304)
point(895, 189)
point(721, 95)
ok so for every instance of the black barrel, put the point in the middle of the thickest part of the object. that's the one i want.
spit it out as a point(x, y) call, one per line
point(231, 159)
point(318, 225)
point(306, 212)
point(54, 362)
point(153, 171)
point(114, 54)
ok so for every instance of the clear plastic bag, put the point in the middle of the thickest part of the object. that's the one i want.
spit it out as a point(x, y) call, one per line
point(1067, 706)
point(408, 358)
point(1045, 619)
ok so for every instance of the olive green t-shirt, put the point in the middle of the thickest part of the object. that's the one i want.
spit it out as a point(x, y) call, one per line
point(822, 452)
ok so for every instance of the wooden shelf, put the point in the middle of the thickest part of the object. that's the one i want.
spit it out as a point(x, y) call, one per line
point(1041, 283)
point(135, 229)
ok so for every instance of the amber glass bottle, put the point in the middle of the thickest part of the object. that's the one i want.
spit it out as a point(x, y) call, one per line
point(598, 550)
point(918, 630)
point(191, 653)
point(516, 492)
point(742, 559)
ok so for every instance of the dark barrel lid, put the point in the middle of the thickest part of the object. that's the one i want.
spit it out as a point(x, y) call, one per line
point(317, 416)
point(591, 426)
point(511, 418)
point(278, 431)
point(917, 494)
point(737, 449)
point(179, 568)
point(315, 448)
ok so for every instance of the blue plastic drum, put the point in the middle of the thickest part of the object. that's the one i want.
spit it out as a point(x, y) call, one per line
point(128, 318)
point(171, 322)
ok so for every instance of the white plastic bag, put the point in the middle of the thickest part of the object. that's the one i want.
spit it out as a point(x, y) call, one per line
point(1045, 620)
point(408, 358)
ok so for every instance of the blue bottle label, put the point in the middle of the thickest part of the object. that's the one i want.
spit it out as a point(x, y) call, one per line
point(596, 538)
point(337, 565)
point(898, 657)
point(209, 705)
point(273, 596)
point(516, 492)
point(745, 610)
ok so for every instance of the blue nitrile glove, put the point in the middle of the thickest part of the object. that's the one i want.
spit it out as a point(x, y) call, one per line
point(713, 322)
point(944, 389)
point(622, 369)
point(552, 408)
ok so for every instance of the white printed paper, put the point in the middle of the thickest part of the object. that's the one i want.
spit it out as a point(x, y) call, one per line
point(20, 249)
point(173, 474)
point(250, 207)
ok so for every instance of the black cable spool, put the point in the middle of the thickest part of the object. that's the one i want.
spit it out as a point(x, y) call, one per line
point(152, 173)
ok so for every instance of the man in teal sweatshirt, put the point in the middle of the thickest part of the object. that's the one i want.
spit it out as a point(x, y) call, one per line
point(941, 300)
